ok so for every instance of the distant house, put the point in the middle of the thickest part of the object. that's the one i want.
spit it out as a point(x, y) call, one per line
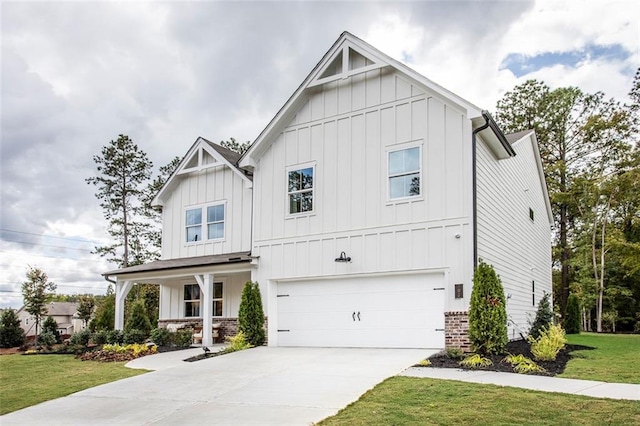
point(64, 313)
point(361, 210)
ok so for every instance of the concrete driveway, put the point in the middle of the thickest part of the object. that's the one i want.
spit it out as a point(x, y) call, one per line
point(260, 386)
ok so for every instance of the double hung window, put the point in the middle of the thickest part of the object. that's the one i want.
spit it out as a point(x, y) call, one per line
point(404, 173)
point(300, 190)
point(215, 220)
point(191, 300)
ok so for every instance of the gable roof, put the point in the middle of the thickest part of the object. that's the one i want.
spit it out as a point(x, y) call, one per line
point(59, 308)
point(348, 56)
point(202, 155)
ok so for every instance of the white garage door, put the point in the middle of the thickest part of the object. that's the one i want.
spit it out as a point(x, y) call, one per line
point(405, 311)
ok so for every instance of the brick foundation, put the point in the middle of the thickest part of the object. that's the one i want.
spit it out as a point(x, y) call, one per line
point(228, 326)
point(456, 328)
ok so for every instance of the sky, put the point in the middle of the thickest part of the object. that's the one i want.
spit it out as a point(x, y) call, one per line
point(75, 75)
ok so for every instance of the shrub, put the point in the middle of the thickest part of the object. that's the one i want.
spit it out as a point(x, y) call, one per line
point(160, 336)
point(237, 342)
point(119, 352)
point(424, 363)
point(476, 361)
point(99, 337)
point(251, 315)
point(134, 336)
point(572, 320)
point(548, 344)
point(544, 317)
point(80, 338)
point(523, 365)
point(104, 314)
point(487, 312)
point(51, 326)
point(182, 338)
point(455, 353)
point(47, 339)
point(11, 334)
point(138, 319)
point(115, 336)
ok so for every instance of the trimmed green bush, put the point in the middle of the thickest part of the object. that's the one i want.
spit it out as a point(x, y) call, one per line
point(51, 326)
point(11, 334)
point(138, 319)
point(46, 339)
point(572, 320)
point(115, 337)
point(160, 336)
point(99, 337)
point(182, 338)
point(134, 336)
point(80, 338)
point(251, 314)
point(544, 317)
point(487, 312)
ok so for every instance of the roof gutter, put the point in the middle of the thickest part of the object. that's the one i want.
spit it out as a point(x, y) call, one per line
point(474, 167)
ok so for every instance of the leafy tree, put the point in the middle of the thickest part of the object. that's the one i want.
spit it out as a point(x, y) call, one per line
point(236, 146)
point(11, 334)
point(36, 291)
point(577, 133)
point(544, 317)
point(85, 307)
point(105, 314)
point(138, 319)
point(251, 314)
point(51, 326)
point(123, 172)
point(487, 312)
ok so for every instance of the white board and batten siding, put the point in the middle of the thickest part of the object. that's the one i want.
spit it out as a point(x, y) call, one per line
point(517, 246)
point(201, 188)
point(345, 129)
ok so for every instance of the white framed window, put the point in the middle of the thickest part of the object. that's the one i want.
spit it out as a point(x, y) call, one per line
point(405, 172)
point(191, 300)
point(213, 227)
point(300, 188)
point(217, 299)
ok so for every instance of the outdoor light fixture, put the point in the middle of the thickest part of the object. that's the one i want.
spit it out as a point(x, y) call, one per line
point(343, 258)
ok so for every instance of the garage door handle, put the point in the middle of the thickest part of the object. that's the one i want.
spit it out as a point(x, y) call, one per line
point(353, 315)
point(358, 315)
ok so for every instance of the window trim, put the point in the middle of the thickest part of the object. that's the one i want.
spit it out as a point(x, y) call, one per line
point(204, 223)
point(308, 165)
point(388, 176)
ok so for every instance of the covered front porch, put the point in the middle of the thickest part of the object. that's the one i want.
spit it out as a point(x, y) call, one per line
point(202, 291)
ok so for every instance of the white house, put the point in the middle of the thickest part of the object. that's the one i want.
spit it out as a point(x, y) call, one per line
point(361, 210)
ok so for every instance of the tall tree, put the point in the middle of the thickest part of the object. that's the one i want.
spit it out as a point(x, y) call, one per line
point(576, 131)
point(123, 173)
point(236, 146)
point(85, 307)
point(36, 291)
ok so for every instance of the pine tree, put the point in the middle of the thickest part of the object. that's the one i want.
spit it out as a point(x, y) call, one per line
point(487, 312)
point(251, 314)
point(36, 292)
point(105, 313)
point(138, 319)
point(51, 326)
point(572, 319)
point(544, 317)
point(11, 334)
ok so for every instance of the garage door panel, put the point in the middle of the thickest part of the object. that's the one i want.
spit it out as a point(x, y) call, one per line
point(394, 311)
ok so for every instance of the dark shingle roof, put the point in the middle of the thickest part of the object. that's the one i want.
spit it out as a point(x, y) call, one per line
point(184, 262)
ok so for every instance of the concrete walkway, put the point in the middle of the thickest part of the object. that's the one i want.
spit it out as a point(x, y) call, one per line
point(540, 383)
point(260, 386)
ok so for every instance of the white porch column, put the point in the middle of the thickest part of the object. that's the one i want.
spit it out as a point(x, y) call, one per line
point(122, 289)
point(206, 306)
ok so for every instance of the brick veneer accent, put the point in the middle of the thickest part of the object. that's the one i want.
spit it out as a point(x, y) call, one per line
point(456, 329)
point(228, 326)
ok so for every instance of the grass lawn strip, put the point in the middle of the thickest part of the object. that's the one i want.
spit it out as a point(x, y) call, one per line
point(27, 380)
point(616, 358)
point(407, 400)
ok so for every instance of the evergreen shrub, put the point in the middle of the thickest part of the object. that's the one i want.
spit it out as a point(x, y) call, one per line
point(487, 312)
point(11, 334)
point(572, 320)
point(544, 317)
point(251, 314)
point(138, 319)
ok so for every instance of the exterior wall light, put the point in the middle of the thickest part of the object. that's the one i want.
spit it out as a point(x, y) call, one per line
point(343, 258)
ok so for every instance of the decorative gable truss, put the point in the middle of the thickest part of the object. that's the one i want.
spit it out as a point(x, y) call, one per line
point(202, 155)
point(345, 60)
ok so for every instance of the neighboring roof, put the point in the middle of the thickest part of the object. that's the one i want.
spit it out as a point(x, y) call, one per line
point(514, 137)
point(216, 154)
point(61, 308)
point(319, 76)
point(184, 262)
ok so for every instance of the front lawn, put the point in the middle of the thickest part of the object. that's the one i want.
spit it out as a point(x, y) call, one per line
point(26, 380)
point(408, 400)
point(615, 359)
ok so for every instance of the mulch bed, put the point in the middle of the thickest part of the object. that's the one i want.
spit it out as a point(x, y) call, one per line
point(552, 368)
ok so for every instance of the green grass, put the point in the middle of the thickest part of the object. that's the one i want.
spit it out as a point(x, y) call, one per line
point(27, 380)
point(615, 359)
point(413, 401)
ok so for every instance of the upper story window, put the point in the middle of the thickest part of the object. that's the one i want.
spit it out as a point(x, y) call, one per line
point(215, 219)
point(300, 189)
point(404, 173)
point(192, 300)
